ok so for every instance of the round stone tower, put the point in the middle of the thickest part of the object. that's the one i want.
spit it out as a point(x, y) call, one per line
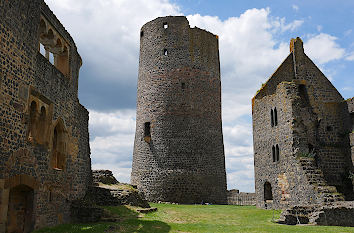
point(178, 150)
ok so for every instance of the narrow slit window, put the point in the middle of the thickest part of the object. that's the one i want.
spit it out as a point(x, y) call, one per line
point(42, 49)
point(51, 58)
point(271, 118)
point(147, 130)
point(275, 117)
point(141, 33)
point(165, 52)
point(273, 153)
point(183, 85)
point(165, 25)
point(277, 153)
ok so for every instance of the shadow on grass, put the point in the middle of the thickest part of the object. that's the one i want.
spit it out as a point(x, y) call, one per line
point(131, 222)
point(128, 221)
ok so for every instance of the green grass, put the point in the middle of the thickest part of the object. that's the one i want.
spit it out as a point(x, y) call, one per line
point(193, 218)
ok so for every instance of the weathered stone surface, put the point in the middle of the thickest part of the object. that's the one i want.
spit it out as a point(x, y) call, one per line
point(330, 214)
point(103, 176)
point(179, 151)
point(118, 195)
point(301, 128)
point(44, 143)
point(235, 197)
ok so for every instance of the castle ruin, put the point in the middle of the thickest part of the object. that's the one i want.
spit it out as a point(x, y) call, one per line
point(302, 133)
point(44, 143)
point(178, 150)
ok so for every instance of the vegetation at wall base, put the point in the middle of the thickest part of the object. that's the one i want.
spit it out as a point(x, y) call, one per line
point(192, 218)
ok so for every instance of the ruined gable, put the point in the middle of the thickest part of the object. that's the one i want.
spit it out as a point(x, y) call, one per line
point(301, 139)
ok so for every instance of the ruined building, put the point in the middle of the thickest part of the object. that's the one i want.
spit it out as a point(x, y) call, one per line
point(179, 151)
point(44, 144)
point(301, 132)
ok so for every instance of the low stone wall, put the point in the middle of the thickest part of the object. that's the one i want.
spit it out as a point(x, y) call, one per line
point(339, 213)
point(103, 176)
point(234, 197)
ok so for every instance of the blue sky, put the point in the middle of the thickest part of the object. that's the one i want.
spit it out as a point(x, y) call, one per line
point(254, 39)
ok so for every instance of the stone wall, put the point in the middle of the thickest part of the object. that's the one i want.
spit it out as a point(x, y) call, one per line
point(312, 121)
point(44, 142)
point(179, 151)
point(234, 197)
point(350, 103)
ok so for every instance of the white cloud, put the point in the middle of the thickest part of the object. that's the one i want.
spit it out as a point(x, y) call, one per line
point(295, 7)
point(107, 31)
point(322, 48)
point(350, 57)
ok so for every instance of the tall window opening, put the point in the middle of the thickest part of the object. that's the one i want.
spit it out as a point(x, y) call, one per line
point(165, 25)
point(277, 153)
point(165, 52)
point(273, 153)
point(275, 117)
point(268, 196)
point(141, 33)
point(271, 117)
point(33, 121)
point(183, 85)
point(147, 132)
point(53, 46)
point(59, 148)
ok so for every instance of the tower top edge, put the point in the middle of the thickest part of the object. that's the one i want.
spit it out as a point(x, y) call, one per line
point(173, 19)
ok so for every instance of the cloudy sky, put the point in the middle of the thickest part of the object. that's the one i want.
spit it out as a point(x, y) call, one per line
point(254, 39)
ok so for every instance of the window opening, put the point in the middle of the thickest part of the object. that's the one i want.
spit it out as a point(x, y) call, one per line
point(271, 118)
point(58, 147)
point(329, 128)
point(268, 196)
point(273, 153)
point(275, 117)
point(165, 25)
point(277, 153)
point(147, 132)
point(42, 49)
point(183, 86)
point(141, 33)
point(165, 52)
point(147, 129)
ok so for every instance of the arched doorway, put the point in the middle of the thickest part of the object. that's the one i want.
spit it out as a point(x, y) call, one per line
point(20, 210)
point(268, 196)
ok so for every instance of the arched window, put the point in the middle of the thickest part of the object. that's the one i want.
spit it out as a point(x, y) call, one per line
point(275, 117)
point(268, 196)
point(33, 121)
point(59, 147)
point(273, 153)
point(42, 124)
point(271, 118)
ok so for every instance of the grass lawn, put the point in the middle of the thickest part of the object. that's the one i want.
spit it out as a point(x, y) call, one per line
point(193, 218)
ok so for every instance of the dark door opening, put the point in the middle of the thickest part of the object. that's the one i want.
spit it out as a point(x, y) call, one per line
point(20, 210)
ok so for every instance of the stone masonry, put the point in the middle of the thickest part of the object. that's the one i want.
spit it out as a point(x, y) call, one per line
point(301, 130)
point(235, 197)
point(44, 143)
point(179, 151)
